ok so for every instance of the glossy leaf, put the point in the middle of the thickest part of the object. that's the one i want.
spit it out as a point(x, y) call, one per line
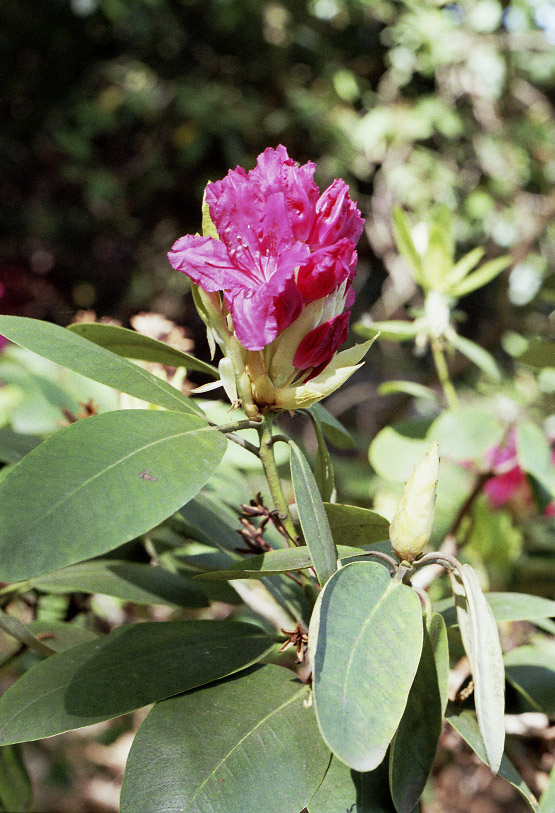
point(124, 670)
point(505, 607)
point(312, 516)
point(246, 744)
point(464, 722)
point(130, 581)
point(354, 526)
point(133, 345)
point(16, 792)
point(271, 563)
point(365, 641)
point(347, 790)
point(414, 746)
point(98, 483)
point(481, 642)
point(76, 353)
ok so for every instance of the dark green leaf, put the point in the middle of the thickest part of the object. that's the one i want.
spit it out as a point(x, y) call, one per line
point(333, 430)
point(131, 581)
point(323, 467)
point(76, 353)
point(273, 562)
point(14, 446)
point(245, 744)
point(124, 670)
point(532, 669)
point(414, 745)
point(133, 345)
point(482, 646)
point(464, 722)
point(16, 793)
point(98, 483)
point(61, 635)
point(365, 641)
point(346, 790)
point(354, 526)
point(314, 522)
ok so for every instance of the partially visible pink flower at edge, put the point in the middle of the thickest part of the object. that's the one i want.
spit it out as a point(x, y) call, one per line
point(281, 246)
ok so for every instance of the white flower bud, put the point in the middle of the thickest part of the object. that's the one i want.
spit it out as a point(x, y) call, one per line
point(411, 527)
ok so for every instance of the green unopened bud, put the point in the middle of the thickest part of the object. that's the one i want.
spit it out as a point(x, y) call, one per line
point(411, 527)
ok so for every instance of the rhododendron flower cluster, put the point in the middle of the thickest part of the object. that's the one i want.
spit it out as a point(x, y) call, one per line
point(274, 270)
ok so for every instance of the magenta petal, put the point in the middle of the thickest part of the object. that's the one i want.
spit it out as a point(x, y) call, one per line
point(325, 270)
point(260, 315)
point(318, 346)
point(337, 216)
point(205, 261)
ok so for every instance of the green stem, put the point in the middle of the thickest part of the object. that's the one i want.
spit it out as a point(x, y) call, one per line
point(268, 461)
point(14, 627)
point(443, 373)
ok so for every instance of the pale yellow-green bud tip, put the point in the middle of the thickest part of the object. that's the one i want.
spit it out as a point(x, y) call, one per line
point(411, 527)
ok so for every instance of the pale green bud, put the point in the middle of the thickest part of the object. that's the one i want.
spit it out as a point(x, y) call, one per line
point(411, 527)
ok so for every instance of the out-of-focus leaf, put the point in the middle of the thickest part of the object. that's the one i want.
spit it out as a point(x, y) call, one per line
point(361, 623)
point(128, 668)
point(312, 516)
point(482, 646)
point(396, 450)
point(466, 433)
point(539, 353)
point(16, 792)
point(547, 799)
point(532, 668)
point(246, 744)
point(465, 265)
point(505, 607)
point(486, 273)
point(405, 244)
point(476, 354)
point(14, 446)
point(133, 345)
point(534, 455)
point(394, 330)
point(409, 388)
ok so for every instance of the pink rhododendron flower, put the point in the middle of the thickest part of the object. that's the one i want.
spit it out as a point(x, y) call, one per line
point(275, 269)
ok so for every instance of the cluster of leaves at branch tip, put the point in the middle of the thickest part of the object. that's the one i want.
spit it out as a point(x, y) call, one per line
point(411, 527)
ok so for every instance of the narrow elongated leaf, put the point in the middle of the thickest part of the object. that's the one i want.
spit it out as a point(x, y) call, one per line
point(98, 483)
point(480, 357)
point(124, 670)
point(272, 563)
point(131, 581)
point(351, 525)
point(16, 792)
point(505, 607)
point(409, 388)
point(346, 790)
point(333, 429)
point(463, 267)
point(394, 330)
point(76, 353)
point(486, 273)
point(405, 244)
point(314, 522)
point(547, 799)
point(246, 744)
point(414, 745)
point(365, 641)
point(323, 467)
point(133, 345)
point(464, 722)
point(481, 642)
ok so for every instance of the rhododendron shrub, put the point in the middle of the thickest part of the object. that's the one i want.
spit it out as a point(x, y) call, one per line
point(276, 271)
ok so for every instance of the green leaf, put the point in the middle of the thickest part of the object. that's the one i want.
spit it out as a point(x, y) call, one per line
point(247, 744)
point(61, 635)
point(354, 526)
point(464, 722)
point(396, 450)
point(365, 641)
point(14, 446)
point(505, 607)
point(312, 516)
point(409, 388)
point(346, 790)
point(405, 244)
point(476, 354)
point(130, 581)
point(486, 273)
point(482, 646)
point(76, 353)
point(466, 433)
point(98, 483)
point(133, 345)
point(323, 467)
point(414, 745)
point(272, 563)
point(539, 353)
point(333, 430)
point(128, 668)
point(464, 266)
point(394, 330)
point(534, 455)
point(532, 669)
point(16, 792)
point(547, 799)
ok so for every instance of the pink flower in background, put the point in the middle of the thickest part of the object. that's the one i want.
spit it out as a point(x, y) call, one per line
point(281, 245)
